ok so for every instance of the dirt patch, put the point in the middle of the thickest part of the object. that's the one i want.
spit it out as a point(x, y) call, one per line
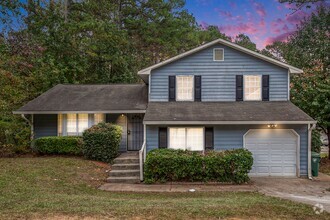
point(325, 166)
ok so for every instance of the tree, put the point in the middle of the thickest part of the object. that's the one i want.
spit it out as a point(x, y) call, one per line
point(301, 3)
point(309, 48)
point(244, 41)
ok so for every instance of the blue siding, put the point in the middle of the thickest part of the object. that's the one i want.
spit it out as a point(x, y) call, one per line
point(44, 125)
point(152, 137)
point(218, 78)
point(231, 137)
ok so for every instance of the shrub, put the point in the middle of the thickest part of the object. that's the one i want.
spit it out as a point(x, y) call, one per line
point(101, 142)
point(58, 145)
point(14, 138)
point(177, 165)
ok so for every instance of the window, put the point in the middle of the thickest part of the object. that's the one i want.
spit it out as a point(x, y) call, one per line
point(59, 124)
point(252, 88)
point(76, 124)
point(82, 123)
point(218, 54)
point(186, 138)
point(71, 124)
point(99, 118)
point(184, 88)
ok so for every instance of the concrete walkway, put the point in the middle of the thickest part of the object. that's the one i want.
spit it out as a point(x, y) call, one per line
point(302, 190)
point(307, 191)
point(177, 187)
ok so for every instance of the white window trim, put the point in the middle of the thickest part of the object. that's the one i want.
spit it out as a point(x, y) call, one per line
point(168, 136)
point(193, 88)
point(244, 93)
point(223, 52)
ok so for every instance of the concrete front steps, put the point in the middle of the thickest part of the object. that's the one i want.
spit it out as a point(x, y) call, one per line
point(126, 169)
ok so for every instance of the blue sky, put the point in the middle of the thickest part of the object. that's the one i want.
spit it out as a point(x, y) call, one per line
point(264, 21)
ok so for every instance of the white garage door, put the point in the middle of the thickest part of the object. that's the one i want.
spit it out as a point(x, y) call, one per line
point(274, 152)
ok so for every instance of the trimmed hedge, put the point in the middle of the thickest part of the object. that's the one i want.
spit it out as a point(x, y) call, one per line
point(101, 142)
point(177, 165)
point(58, 145)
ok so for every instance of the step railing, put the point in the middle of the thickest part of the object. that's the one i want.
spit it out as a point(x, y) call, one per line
point(142, 158)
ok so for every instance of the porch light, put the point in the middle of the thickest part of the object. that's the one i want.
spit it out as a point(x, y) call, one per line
point(272, 125)
point(122, 115)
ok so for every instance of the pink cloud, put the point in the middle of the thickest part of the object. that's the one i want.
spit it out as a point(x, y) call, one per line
point(285, 28)
point(228, 15)
point(248, 28)
point(260, 9)
point(281, 37)
point(279, 8)
point(225, 14)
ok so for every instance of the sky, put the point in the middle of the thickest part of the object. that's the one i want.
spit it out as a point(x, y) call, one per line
point(264, 21)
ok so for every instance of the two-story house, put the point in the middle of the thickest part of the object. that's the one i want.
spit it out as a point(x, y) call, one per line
point(217, 96)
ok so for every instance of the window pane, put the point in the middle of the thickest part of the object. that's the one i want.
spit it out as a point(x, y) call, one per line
point(177, 138)
point(98, 118)
point(195, 140)
point(59, 124)
point(82, 122)
point(71, 124)
point(218, 54)
point(184, 88)
point(252, 87)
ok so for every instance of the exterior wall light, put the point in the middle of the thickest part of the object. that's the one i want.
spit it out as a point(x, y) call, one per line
point(272, 125)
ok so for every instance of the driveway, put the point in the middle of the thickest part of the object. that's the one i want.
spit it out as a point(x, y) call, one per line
point(307, 191)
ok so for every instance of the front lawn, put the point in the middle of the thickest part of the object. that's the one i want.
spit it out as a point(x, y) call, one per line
point(60, 187)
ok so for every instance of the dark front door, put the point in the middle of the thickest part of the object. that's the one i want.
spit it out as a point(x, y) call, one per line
point(135, 132)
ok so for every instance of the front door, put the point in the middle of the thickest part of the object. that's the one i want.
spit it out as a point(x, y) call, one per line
point(135, 132)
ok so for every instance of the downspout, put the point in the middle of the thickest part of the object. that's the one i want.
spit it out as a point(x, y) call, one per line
point(310, 128)
point(31, 125)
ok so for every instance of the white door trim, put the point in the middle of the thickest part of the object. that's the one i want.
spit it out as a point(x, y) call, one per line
point(298, 146)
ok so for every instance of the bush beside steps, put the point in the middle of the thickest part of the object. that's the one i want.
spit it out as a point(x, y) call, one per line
point(101, 142)
point(164, 165)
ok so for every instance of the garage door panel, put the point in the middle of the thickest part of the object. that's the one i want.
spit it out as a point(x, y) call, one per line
point(274, 152)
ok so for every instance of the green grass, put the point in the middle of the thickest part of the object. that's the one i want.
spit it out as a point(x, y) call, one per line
point(59, 187)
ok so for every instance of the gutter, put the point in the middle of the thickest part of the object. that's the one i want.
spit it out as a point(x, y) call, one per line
point(310, 128)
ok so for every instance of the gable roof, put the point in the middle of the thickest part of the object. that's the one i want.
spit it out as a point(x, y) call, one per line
point(251, 112)
point(145, 72)
point(111, 98)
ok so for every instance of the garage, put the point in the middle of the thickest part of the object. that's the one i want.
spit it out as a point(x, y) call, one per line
point(274, 151)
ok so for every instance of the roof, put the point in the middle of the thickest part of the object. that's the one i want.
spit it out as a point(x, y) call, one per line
point(145, 72)
point(121, 98)
point(249, 112)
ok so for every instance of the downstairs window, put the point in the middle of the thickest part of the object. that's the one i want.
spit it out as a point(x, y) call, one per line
point(191, 139)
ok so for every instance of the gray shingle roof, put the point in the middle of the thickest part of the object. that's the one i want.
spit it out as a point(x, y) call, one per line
point(224, 111)
point(89, 98)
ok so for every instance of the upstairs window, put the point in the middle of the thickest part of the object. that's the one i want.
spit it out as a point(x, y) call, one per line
point(252, 87)
point(218, 54)
point(184, 88)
